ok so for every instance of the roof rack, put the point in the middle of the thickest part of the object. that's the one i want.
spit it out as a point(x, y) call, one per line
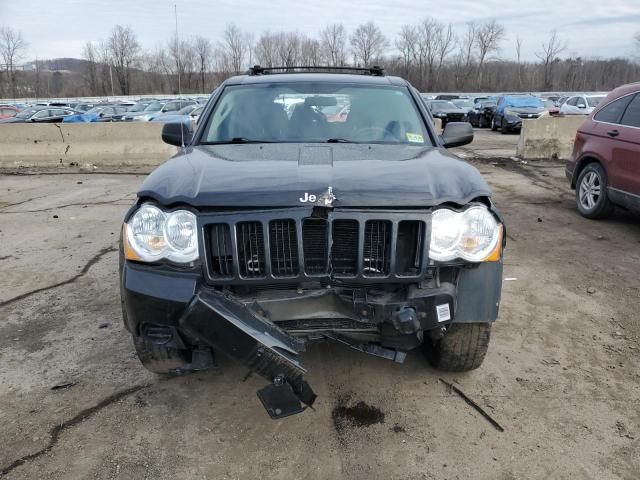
point(375, 71)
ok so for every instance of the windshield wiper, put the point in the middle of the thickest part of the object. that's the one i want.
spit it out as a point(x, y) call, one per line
point(237, 140)
point(339, 140)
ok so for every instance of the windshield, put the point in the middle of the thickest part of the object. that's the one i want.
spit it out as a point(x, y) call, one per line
point(440, 105)
point(154, 107)
point(139, 107)
point(463, 103)
point(96, 109)
point(594, 101)
point(303, 112)
point(27, 113)
point(186, 110)
point(523, 102)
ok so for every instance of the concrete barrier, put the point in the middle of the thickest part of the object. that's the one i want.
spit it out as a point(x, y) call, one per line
point(548, 137)
point(105, 144)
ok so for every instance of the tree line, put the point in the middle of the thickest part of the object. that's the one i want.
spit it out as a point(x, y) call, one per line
point(433, 55)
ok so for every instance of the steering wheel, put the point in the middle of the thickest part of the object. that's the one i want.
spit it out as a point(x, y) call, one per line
point(381, 133)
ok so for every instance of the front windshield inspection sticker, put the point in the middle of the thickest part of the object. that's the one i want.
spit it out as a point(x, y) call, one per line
point(444, 313)
point(415, 137)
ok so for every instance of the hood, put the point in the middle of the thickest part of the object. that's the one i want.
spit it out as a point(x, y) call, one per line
point(525, 109)
point(286, 175)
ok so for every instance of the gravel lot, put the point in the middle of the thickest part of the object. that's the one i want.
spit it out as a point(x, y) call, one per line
point(562, 375)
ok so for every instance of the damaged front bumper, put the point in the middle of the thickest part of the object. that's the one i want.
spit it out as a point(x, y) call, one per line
point(264, 331)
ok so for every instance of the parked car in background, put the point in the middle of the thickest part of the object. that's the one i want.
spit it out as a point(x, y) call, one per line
point(158, 108)
point(84, 107)
point(107, 112)
point(512, 109)
point(40, 115)
point(580, 104)
point(604, 167)
point(447, 97)
point(8, 111)
point(482, 113)
point(446, 111)
point(188, 114)
point(148, 111)
point(550, 107)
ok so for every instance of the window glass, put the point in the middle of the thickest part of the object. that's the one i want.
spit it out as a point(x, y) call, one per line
point(631, 116)
point(41, 114)
point(572, 101)
point(316, 112)
point(612, 112)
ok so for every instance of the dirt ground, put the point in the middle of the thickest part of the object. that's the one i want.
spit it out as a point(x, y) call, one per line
point(562, 375)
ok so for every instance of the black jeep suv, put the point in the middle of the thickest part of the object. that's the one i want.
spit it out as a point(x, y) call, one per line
point(311, 206)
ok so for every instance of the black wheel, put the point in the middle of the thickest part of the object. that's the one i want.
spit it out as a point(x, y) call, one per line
point(159, 359)
point(481, 122)
point(494, 126)
point(462, 348)
point(591, 192)
point(503, 128)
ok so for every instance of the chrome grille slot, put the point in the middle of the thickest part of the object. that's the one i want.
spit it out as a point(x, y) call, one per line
point(284, 248)
point(250, 240)
point(316, 246)
point(377, 248)
point(221, 263)
point(409, 248)
point(344, 252)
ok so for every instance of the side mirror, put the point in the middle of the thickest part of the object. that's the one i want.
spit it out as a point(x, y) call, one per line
point(177, 133)
point(457, 134)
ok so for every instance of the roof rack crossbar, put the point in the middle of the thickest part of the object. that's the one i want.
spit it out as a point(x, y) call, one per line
point(375, 70)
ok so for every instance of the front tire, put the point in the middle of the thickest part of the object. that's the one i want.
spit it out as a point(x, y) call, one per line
point(494, 125)
point(503, 128)
point(591, 192)
point(159, 359)
point(463, 347)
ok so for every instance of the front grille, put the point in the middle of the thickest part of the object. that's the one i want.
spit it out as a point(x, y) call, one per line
point(528, 115)
point(285, 246)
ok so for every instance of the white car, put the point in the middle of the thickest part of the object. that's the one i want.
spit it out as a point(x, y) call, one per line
point(580, 104)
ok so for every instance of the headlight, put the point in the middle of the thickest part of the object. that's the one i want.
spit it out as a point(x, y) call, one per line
point(473, 235)
point(510, 112)
point(152, 235)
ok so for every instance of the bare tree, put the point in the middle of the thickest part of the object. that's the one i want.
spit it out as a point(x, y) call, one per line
point(407, 42)
point(204, 52)
point(236, 45)
point(488, 38)
point(288, 49)
point(519, 57)
point(333, 41)
point(310, 52)
point(549, 57)
point(12, 49)
point(367, 43)
point(266, 49)
point(464, 60)
point(90, 54)
point(124, 50)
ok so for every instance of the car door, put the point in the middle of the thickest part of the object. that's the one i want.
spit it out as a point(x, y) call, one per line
point(582, 106)
point(569, 107)
point(41, 116)
point(626, 154)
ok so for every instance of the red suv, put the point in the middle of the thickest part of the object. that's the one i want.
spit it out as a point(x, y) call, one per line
point(604, 167)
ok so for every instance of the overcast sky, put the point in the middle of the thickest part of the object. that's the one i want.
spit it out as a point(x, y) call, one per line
point(59, 28)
